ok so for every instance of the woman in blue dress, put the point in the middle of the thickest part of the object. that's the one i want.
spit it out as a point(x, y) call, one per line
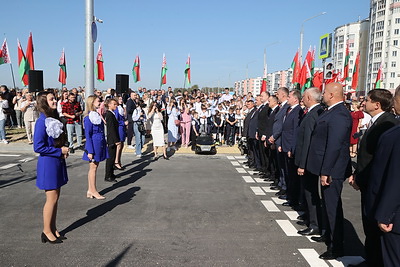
point(95, 146)
point(50, 142)
point(122, 123)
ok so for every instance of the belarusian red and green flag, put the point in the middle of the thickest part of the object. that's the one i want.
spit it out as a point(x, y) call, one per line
point(62, 75)
point(356, 71)
point(296, 67)
point(307, 71)
point(136, 69)
point(346, 64)
point(264, 81)
point(379, 78)
point(22, 66)
point(187, 71)
point(163, 71)
point(29, 54)
point(4, 55)
point(100, 65)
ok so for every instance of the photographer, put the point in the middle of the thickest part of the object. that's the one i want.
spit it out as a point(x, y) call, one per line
point(157, 129)
point(139, 118)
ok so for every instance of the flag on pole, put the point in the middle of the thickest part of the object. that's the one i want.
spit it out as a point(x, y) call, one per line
point(264, 81)
point(100, 65)
point(4, 55)
point(305, 78)
point(164, 71)
point(346, 64)
point(354, 82)
point(29, 55)
point(379, 78)
point(22, 66)
point(296, 68)
point(62, 75)
point(187, 71)
point(136, 69)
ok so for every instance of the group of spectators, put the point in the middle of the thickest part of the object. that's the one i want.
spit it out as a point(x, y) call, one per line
point(304, 144)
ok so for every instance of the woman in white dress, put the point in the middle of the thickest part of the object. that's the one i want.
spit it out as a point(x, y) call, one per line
point(157, 129)
point(173, 123)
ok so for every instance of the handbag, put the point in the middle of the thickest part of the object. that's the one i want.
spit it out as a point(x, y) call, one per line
point(141, 128)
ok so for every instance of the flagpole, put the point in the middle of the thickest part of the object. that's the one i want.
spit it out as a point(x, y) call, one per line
point(12, 74)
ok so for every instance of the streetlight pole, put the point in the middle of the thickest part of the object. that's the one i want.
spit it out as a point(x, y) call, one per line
point(302, 33)
point(89, 59)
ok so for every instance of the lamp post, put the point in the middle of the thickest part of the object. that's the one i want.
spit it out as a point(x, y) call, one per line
point(302, 33)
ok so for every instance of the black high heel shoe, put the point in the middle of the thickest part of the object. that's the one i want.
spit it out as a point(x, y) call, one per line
point(46, 239)
point(119, 168)
point(165, 157)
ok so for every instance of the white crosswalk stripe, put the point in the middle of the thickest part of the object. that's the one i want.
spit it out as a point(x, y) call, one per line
point(257, 190)
point(270, 206)
point(312, 257)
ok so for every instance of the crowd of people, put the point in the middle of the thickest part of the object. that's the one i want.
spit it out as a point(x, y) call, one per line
point(303, 143)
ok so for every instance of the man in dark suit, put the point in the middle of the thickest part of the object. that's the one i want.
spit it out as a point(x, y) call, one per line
point(382, 197)
point(329, 158)
point(275, 138)
point(273, 156)
point(112, 138)
point(378, 104)
point(246, 123)
point(290, 126)
point(251, 140)
point(261, 136)
point(130, 107)
point(311, 99)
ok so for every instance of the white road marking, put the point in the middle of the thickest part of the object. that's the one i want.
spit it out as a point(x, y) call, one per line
point(293, 214)
point(240, 157)
point(312, 257)
point(9, 155)
point(252, 172)
point(248, 179)
point(346, 260)
point(309, 238)
point(241, 170)
point(260, 180)
point(278, 201)
point(8, 166)
point(288, 227)
point(26, 159)
point(257, 190)
point(241, 161)
point(230, 157)
point(270, 206)
point(269, 190)
point(235, 163)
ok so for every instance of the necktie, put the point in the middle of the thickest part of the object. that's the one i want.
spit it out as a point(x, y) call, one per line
point(305, 111)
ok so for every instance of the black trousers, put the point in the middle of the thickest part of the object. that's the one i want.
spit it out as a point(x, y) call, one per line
point(264, 155)
point(332, 203)
point(273, 163)
point(254, 148)
point(112, 151)
point(292, 181)
point(129, 133)
point(230, 134)
point(311, 183)
point(390, 249)
point(373, 235)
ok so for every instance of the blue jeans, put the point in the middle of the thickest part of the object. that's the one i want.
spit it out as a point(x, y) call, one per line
point(77, 128)
point(139, 139)
point(2, 129)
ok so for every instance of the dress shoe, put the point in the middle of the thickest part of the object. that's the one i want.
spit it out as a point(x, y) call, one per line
point(301, 217)
point(319, 239)
point(283, 197)
point(302, 223)
point(97, 196)
point(165, 157)
point(61, 237)
point(120, 168)
point(287, 204)
point(71, 150)
point(111, 180)
point(275, 188)
point(274, 184)
point(330, 255)
point(45, 239)
point(298, 208)
point(308, 231)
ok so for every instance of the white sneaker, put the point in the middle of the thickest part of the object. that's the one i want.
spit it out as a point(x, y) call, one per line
point(131, 147)
point(139, 156)
point(4, 142)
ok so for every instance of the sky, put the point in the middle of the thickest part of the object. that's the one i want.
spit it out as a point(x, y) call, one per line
point(222, 37)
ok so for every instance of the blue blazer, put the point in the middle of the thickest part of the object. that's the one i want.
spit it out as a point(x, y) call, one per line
point(383, 198)
point(95, 141)
point(278, 123)
point(330, 143)
point(289, 129)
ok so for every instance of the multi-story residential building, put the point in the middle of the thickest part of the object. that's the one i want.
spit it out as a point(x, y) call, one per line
point(384, 43)
point(355, 36)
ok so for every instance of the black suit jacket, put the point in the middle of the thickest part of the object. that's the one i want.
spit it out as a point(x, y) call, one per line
point(112, 128)
point(368, 146)
point(304, 135)
point(383, 197)
point(271, 119)
point(289, 128)
point(253, 124)
point(246, 122)
point(263, 117)
point(278, 122)
point(330, 143)
point(130, 107)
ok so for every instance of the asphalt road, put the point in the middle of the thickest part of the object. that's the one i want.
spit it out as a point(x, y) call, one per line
point(193, 210)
